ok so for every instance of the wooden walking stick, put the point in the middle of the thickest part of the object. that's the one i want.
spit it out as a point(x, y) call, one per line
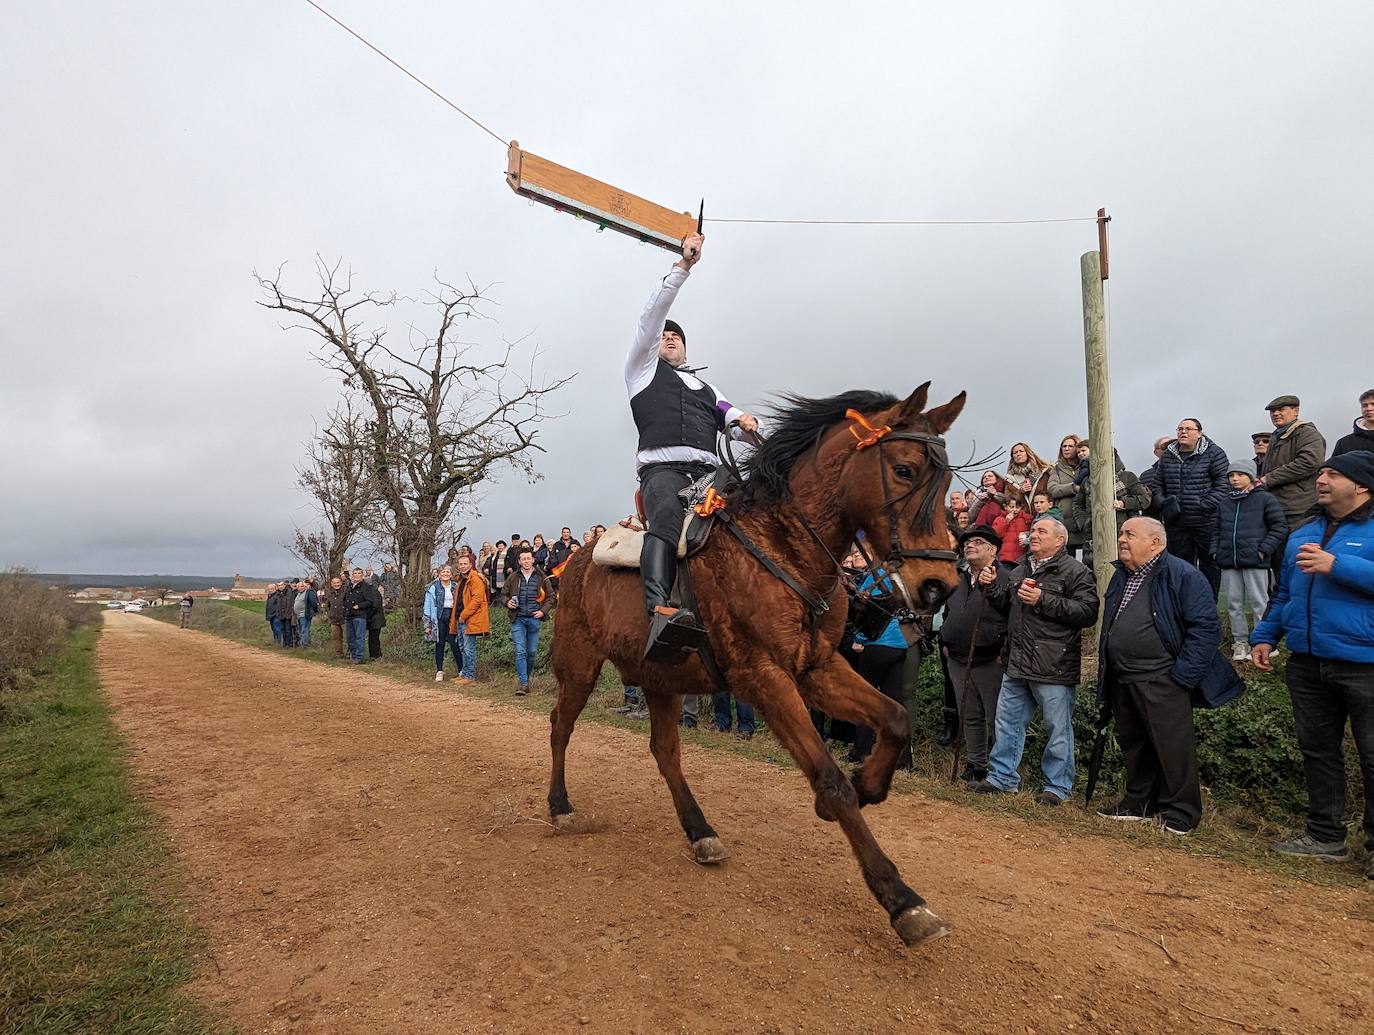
point(968, 681)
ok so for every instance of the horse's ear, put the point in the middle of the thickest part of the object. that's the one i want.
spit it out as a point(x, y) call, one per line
point(942, 417)
point(915, 403)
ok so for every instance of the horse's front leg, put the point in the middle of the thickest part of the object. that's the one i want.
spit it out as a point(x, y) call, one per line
point(836, 689)
point(790, 722)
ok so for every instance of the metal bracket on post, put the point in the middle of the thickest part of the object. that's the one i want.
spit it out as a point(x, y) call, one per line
point(1102, 220)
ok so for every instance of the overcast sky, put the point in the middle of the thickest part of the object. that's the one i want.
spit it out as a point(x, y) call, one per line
point(156, 153)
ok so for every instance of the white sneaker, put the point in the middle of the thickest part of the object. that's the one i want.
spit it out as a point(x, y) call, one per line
point(1241, 652)
point(439, 676)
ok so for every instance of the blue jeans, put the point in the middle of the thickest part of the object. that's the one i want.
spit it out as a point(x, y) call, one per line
point(357, 638)
point(276, 630)
point(302, 631)
point(524, 632)
point(469, 669)
point(444, 638)
point(744, 710)
point(1016, 704)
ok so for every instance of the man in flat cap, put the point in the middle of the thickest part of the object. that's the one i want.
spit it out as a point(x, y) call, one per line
point(973, 635)
point(1290, 466)
point(1325, 610)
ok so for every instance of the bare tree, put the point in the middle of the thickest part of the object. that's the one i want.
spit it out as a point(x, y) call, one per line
point(443, 419)
point(338, 477)
point(312, 549)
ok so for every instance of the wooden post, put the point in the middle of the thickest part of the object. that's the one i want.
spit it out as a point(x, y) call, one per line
point(1103, 466)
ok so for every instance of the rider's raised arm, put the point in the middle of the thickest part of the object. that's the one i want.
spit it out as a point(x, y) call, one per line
point(643, 355)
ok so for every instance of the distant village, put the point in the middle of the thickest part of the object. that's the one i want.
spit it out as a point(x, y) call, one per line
point(241, 589)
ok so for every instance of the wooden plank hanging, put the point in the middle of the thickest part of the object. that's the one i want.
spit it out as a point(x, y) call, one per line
point(566, 190)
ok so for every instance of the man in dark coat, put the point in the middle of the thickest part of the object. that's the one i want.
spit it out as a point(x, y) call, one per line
point(270, 610)
point(376, 620)
point(1190, 482)
point(1158, 651)
point(286, 612)
point(972, 637)
point(1050, 598)
point(1362, 434)
point(358, 608)
point(336, 613)
point(1291, 464)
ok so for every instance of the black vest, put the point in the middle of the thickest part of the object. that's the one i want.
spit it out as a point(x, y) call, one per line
point(668, 413)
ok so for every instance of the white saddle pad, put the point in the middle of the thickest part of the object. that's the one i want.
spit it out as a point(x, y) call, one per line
point(618, 546)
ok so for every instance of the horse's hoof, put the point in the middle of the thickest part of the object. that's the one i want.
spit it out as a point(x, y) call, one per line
point(564, 820)
point(918, 924)
point(709, 851)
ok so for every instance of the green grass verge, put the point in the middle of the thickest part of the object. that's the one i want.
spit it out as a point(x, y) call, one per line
point(92, 935)
point(1249, 759)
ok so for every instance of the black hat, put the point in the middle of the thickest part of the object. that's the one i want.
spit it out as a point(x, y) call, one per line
point(982, 532)
point(1357, 465)
point(1282, 401)
point(676, 328)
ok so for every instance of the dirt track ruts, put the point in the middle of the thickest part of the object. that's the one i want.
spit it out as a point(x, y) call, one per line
point(370, 856)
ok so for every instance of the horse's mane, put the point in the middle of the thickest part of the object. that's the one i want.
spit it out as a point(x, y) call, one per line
point(796, 424)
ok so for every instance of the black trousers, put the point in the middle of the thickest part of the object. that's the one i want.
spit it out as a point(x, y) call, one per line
point(1154, 726)
point(882, 667)
point(659, 485)
point(1194, 545)
point(1327, 694)
point(979, 705)
point(374, 643)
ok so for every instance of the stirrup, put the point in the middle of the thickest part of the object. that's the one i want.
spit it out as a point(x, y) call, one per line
point(674, 636)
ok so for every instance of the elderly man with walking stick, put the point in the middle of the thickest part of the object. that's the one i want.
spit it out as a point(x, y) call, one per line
point(972, 637)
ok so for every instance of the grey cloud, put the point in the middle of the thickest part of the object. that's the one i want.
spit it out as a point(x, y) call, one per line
point(155, 156)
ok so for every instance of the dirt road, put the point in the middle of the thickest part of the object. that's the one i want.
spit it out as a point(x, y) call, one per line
point(372, 857)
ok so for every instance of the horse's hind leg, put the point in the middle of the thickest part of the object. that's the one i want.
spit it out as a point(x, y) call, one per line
point(576, 680)
point(836, 799)
point(667, 749)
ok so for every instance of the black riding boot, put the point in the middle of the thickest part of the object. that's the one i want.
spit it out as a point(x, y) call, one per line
point(674, 632)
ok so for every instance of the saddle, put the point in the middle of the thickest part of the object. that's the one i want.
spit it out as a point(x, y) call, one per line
point(619, 546)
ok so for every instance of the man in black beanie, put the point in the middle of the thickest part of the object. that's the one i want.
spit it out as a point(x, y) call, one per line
point(678, 416)
point(1324, 609)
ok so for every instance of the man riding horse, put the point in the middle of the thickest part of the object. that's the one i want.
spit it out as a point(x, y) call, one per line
point(678, 416)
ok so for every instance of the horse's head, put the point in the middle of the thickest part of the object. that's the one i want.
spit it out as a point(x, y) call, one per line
point(894, 488)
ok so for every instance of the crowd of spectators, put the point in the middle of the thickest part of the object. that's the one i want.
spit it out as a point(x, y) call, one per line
point(1286, 535)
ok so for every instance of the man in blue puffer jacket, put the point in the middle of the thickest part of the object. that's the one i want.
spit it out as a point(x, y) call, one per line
point(1189, 485)
point(1325, 607)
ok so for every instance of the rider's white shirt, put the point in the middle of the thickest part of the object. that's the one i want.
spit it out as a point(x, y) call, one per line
point(642, 362)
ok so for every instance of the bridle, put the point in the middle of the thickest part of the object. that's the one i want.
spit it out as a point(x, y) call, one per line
point(937, 463)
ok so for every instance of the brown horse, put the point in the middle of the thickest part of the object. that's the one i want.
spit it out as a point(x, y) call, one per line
point(810, 487)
